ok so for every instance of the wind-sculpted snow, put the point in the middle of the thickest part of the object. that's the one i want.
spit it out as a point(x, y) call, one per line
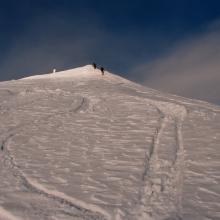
point(79, 145)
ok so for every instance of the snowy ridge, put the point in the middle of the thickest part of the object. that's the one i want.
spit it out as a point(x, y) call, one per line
point(81, 72)
point(79, 145)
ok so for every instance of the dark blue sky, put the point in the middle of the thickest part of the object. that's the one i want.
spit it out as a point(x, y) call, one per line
point(37, 36)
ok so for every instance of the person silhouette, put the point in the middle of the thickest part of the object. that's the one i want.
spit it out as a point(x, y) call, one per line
point(102, 70)
point(94, 65)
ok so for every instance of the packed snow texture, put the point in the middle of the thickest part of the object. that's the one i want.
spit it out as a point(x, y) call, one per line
point(79, 145)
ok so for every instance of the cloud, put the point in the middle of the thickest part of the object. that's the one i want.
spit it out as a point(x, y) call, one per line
point(191, 68)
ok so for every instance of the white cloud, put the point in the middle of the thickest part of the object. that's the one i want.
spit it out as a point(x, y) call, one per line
point(191, 69)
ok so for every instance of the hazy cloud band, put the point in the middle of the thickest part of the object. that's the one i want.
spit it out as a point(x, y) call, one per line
point(191, 68)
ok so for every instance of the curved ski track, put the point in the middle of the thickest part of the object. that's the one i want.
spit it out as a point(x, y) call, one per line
point(87, 211)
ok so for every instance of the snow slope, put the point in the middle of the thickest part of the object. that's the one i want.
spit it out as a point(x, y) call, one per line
point(79, 145)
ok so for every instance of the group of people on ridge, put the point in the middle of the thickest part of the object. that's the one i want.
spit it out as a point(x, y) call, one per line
point(101, 68)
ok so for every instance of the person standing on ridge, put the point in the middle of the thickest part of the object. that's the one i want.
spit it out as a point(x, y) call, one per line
point(94, 65)
point(102, 70)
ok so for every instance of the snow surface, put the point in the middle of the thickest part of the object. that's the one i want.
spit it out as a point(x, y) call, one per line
point(79, 145)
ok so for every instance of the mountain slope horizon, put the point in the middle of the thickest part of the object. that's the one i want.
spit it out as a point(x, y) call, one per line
point(77, 144)
point(89, 71)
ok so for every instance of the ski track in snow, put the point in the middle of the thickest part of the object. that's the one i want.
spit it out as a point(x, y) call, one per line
point(116, 152)
point(5, 215)
point(160, 196)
